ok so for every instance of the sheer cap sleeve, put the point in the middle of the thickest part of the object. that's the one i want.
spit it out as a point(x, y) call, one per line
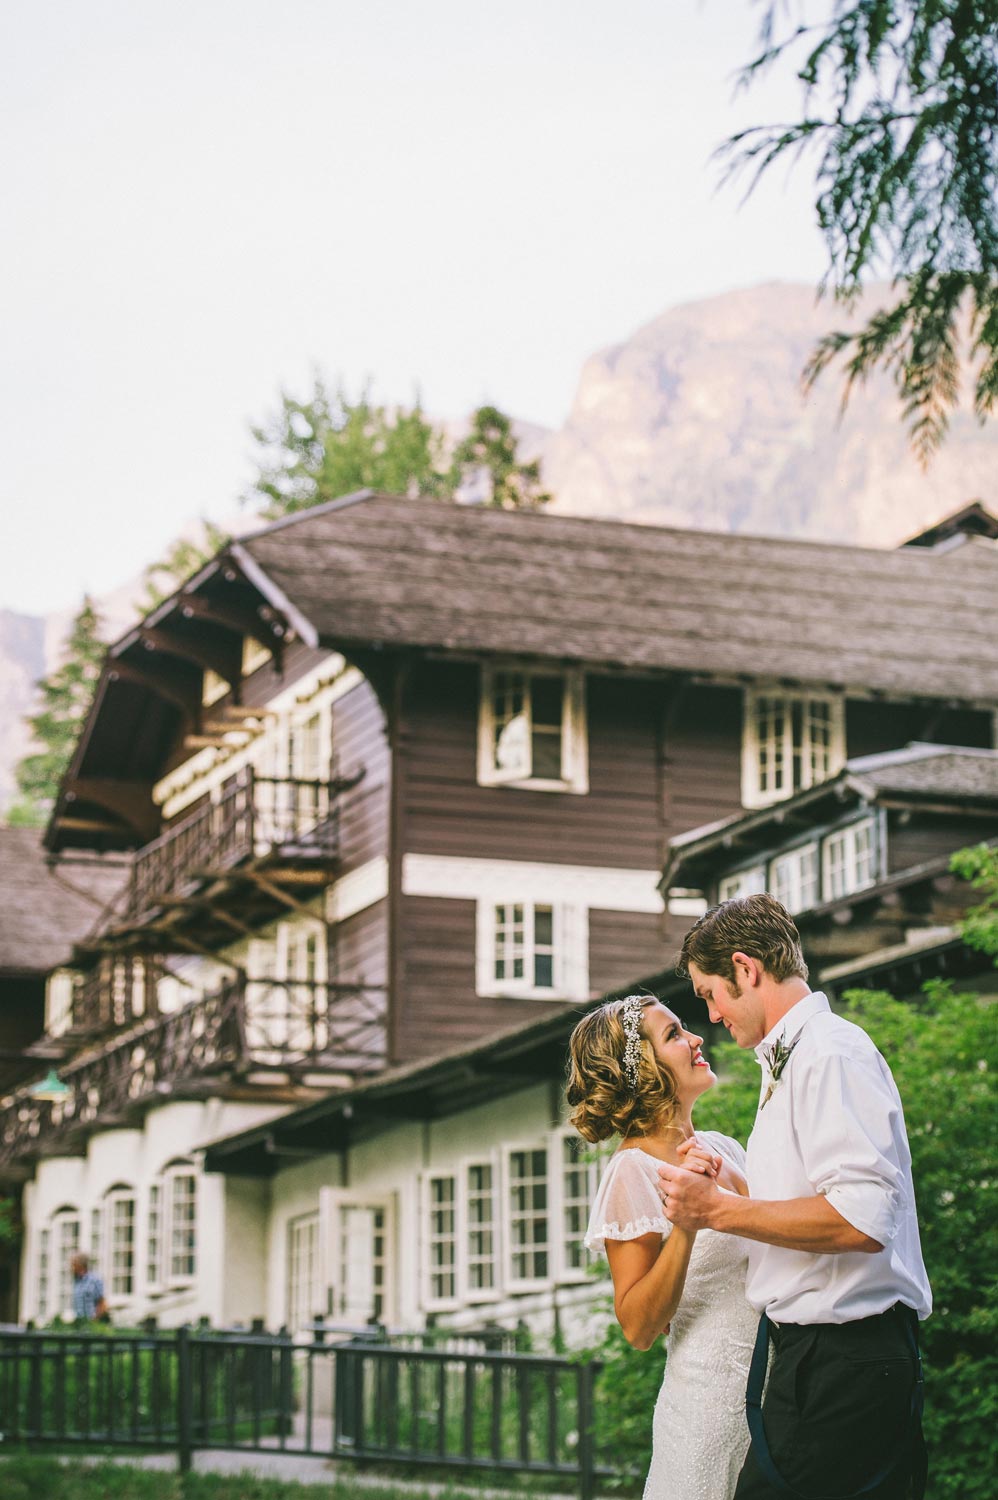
point(627, 1203)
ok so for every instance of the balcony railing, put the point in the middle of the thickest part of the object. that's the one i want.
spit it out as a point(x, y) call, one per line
point(293, 1028)
point(254, 817)
point(118, 992)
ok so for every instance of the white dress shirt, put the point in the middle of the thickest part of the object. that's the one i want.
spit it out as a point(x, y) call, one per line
point(834, 1125)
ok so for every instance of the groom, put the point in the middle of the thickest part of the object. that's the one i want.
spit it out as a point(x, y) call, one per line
point(835, 1265)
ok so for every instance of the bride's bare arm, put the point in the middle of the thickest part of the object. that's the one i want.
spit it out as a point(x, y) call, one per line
point(648, 1280)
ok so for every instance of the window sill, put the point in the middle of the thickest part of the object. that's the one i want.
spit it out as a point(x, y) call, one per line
point(537, 784)
point(511, 994)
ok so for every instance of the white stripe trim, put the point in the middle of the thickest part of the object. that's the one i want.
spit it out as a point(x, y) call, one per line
point(591, 886)
point(357, 890)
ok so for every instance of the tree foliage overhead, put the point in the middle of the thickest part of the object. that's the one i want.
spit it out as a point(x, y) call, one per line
point(316, 450)
point(66, 696)
point(901, 107)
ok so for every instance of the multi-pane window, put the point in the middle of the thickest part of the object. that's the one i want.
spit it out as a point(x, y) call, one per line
point(304, 1289)
point(154, 1235)
point(481, 1227)
point(44, 1242)
point(751, 882)
point(849, 859)
point(793, 878)
point(182, 1241)
point(441, 1238)
point(528, 1214)
point(524, 945)
point(532, 729)
point(361, 1262)
point(121, 1209)
point(96, 1255)
point(792, 741)
point(67, 1244)
point(580, 1167)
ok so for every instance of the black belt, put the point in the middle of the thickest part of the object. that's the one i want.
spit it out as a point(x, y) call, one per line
point(911, 1435)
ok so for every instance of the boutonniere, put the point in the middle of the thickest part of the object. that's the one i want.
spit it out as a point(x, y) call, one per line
point(776, 1058)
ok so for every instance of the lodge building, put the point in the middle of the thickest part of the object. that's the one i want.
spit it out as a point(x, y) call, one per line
point(391, 786)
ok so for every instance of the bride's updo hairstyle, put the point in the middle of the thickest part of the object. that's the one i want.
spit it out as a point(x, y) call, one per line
point(604, 1100)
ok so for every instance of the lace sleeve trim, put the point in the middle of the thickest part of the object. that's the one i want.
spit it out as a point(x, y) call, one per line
point(657, 1224)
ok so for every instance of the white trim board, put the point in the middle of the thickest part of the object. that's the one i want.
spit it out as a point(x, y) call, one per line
point(357, 890)
point(593, 886)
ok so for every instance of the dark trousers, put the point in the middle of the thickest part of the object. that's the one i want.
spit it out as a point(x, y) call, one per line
point(837, 1409)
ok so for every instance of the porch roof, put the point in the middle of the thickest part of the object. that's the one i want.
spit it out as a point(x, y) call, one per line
point(45, 910)
point(430, 1089)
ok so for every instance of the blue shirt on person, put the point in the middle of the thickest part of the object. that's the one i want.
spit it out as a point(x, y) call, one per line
point(88, 1293)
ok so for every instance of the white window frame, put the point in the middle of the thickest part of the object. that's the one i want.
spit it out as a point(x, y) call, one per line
point(794, 859)
point(96, 1241)
point(332, 1202)
point(570, 966)
point(574, 738)
point(65, 1246)
point(513, 1282)
point(562, 1268)
point(475, 1294)
point(170, 1176)
point(754, 794)
point(428, 1238)
point(304, 1231)
point(153, 1242)
point(748, 882)
point(847, 838)
point(43, 1273)
point(116, 1198)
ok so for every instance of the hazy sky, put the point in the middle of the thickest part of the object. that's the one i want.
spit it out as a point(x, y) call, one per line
point(203, 201)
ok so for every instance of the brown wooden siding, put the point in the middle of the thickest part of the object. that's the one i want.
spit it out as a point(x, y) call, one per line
point(920, 838)
point(438, 1008)
point(358, 947)
point(624, 947)
point(360, 743)
point(702, 770)
point(446, 812)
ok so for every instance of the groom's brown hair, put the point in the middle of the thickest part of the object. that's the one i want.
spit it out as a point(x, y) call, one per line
point(757, 925)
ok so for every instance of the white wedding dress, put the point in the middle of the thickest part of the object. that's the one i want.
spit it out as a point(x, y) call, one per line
point(699, 1432)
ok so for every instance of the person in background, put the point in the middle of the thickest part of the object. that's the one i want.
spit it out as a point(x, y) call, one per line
point(88, 1292)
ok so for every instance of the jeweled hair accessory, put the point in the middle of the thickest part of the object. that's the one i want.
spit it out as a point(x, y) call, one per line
point(630, 1018)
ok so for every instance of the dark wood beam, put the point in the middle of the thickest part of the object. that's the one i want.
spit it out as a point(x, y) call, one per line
point(265, 628)
point(226, 664)
point(129, 800)
point(157, 678)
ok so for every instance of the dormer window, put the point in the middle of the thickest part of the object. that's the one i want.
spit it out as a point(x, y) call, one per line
point(849, 860)
point(532, 730)
point(791, 741)
point(793, 878)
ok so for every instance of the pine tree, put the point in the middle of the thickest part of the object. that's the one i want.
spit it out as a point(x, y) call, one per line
point(66, 695)
point(487, 458)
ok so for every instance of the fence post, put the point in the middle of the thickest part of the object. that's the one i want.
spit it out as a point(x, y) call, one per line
point(185, 1400)
point(34, 1413)
point(587, 1455)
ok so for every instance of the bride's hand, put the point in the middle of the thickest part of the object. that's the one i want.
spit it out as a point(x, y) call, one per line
point(696, 1158)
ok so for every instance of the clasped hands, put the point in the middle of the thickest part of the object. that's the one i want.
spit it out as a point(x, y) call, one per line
point(689, 1192)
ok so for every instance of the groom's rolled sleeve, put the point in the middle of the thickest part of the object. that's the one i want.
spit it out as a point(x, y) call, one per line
point(845, 1110)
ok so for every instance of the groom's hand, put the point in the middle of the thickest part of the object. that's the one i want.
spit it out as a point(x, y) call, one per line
point(687, 1197)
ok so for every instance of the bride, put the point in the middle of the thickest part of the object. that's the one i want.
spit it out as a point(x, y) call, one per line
point(635, 1071)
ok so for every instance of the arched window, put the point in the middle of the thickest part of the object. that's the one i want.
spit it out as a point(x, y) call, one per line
point(119, 1203)
point(65, 1244)
point(179, 1200)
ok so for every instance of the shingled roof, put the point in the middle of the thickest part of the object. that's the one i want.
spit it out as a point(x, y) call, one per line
point(377, 569)
point(954, 778)
point(44, 909)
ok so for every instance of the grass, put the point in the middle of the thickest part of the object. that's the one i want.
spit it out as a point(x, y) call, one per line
point(26, 1477)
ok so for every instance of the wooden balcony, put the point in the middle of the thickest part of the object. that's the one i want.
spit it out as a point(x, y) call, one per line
point(220, 871)
point(251, 1038)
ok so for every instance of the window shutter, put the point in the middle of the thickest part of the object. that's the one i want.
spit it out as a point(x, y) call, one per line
point(572, 951)
point(485, 941)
